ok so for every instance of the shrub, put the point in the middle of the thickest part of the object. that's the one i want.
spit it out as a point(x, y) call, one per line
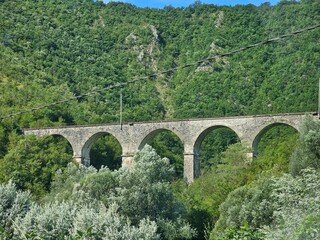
point(13, 204)
point(307, 153)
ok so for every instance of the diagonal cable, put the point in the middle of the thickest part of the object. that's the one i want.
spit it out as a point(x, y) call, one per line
point(196, 63)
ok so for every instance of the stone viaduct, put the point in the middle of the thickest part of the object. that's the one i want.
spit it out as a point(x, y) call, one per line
point(133, 136)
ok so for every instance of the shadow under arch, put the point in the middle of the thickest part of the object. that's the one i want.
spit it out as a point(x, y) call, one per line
point(279, 126)
point(211, 143)
point(167, 143)
point(102, 149)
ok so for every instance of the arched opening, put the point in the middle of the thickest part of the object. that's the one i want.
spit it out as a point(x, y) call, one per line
point(54, 152)
point(62, 144)
point(274, 144)
point(167, 144)
point(103, 149)
point(211, 144)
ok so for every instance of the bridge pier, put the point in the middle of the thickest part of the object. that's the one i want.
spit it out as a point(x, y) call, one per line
point(250, 155)
point(191, 167)
point(127, 160)
point(81, 160)
point(77, 159)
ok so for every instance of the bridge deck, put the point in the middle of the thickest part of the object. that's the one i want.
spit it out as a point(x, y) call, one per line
point(175, 120)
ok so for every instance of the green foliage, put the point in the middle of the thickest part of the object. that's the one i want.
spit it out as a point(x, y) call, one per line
point(13, 204)
point(204, 196)
point(54, 50)
point(71, 221)
point(276, 208)
point(275, 148)
point(101, 205)
point(106, 151)
point(213, 145)
point(3, 140)
point(32, 162)
point(307, 153)
point(112, 43)
point(141, 192)
point(145, 191)
point(66, 182)
point(246, 204)
point(245, 232)
point(168, 145)
point(297, 205)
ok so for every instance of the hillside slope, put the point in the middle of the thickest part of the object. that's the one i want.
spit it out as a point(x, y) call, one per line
point(52, 50)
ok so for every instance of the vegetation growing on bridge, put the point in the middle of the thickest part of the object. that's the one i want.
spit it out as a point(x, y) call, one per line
point(54, 50)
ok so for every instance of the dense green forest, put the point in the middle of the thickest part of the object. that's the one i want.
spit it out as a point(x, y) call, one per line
point(58, 49)
point(51, 50)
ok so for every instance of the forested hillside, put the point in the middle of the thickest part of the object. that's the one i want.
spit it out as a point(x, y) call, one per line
point(56, 50)
point(51, 50)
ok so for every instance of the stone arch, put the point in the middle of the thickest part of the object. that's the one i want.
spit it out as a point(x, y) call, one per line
point(85, 151)
point(200, 139)
point(167, 143)
point(73, 147)
point(62, 136)
point(153, 133)
point(263, 129)
point(204, 133)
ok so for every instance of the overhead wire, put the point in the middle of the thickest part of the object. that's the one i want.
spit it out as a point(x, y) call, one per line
point(153, 75)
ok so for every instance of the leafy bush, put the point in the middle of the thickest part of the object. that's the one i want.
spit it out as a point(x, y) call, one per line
point(307, 153)
point(13, 204)
point(297, 207)
point(246, 205)
point(244, 232)
point(32, 162)
point(141, 192)
point(278, 208)
point(85, 203)
point(73, 221)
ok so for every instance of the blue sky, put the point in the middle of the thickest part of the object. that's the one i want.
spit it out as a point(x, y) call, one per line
point(185, 3)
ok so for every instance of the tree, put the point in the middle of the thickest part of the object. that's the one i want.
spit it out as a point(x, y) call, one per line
point(203, 197)
point(297, 207)
point(277, 208)
point(68, 220)
point(32, 161)
point(307, 153)
point(142, 191)
point(13, 204)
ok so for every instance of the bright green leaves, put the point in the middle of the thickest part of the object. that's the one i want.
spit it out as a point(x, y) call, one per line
point(32, 162)
point(213, 146)
point(168, 145)
point(106, 151)
point(307, 153)
point(81, 46)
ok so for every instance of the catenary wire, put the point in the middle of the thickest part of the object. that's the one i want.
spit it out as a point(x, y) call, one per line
point(196, 63)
